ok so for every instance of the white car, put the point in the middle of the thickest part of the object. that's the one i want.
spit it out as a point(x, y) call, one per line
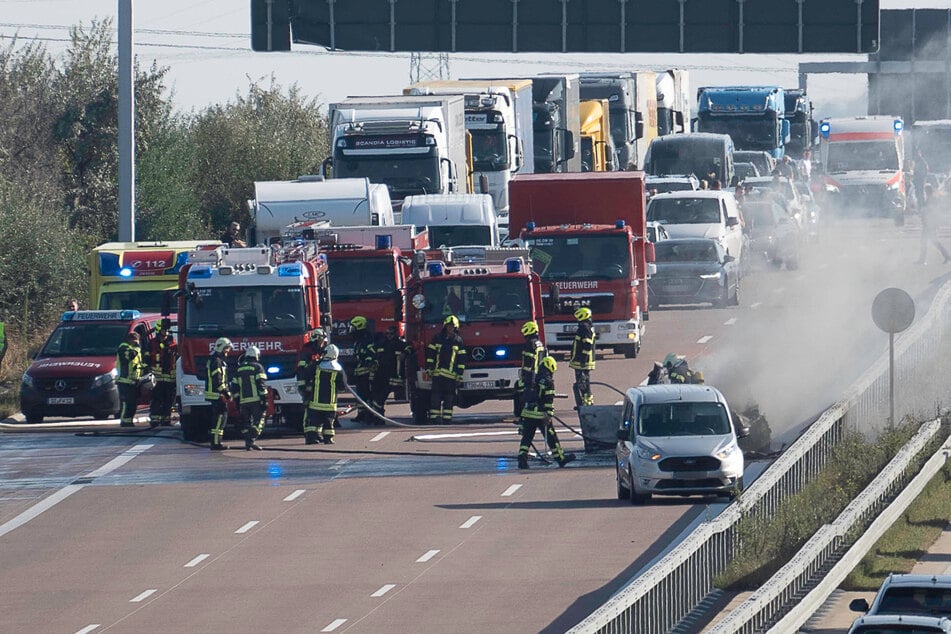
point(671, 183)
point(900, 624)
point(700, 214)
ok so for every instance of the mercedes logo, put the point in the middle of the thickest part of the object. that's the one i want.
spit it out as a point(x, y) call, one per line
point(478, 354)
point(60, 385)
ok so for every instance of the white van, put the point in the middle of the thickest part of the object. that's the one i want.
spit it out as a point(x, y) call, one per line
point(343, 202)
point(677, 440)
point(454, 219)
point(700, 214)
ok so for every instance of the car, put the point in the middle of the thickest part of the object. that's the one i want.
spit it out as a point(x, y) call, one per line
point(923, 595)
point(784, 190)
point(763, 161)
point(671, 183)
point(745, 170)
point(900, 624)
point(774, 237)
point(693, 271)
point(700, 214)
point(74, 373)
point(677, 439)
point(656, 232)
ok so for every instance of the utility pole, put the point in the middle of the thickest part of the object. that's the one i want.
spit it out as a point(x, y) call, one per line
point(126, 124)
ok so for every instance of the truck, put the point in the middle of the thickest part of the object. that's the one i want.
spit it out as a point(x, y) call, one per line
point(341, 202)
point(803, 128)
point(492, 293)
point(673, 101)
point(753, 116)
point(620, 91)
point(499, 119)
point(862, 160)
point(369, 268)
point(588, 242)
point(597, 149)
point(271, 297)
point(455, 219)
point(697, 153)
point(414, 144)
point(139, 275)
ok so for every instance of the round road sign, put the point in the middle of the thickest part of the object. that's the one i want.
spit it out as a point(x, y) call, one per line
point(893, 310)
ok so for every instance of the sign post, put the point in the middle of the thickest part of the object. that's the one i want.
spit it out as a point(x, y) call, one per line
point(893, 310)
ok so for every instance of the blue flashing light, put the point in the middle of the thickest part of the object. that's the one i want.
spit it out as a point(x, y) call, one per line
point(180, 260)
point(109, 264)
point(620, 224)
point(513, 265)
point(898, 125)
point(435, 269)
point(201, 272)
point(293, 269)
point(824, 129)
point(530, 225)
point(129, 314)
point(125, 271)
point(500, 353)
point(273, 369)
point(384, 242)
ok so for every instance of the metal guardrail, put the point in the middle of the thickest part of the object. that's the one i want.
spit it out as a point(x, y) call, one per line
point(665, 594)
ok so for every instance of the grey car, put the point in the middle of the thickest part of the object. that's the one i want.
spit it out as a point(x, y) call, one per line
point(693, 271)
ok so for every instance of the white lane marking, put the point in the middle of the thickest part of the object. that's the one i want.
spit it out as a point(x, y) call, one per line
point(69, 489)
point(88, 628)
point(463, 435)
point(429, 555)
point(247, 527)
point(755, 305)
point(197, 560)
point(337, 466)
point(380, 436)
point(469, 522)
point(730, 321)
point(779, 290)
point(334, 625)
point(512, 489)
point(296, 494)
point(145, 595)
point(383, 590)
point(704, 339)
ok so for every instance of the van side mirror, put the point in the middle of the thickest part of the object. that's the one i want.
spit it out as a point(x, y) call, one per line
point(728, 258)
point(638, 125)
point(622, 434)
point(732, 221)
point(327, 167)
point(483, 184)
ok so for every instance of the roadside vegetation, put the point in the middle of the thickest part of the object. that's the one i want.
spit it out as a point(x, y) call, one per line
point(766, 545)
point(59, 171)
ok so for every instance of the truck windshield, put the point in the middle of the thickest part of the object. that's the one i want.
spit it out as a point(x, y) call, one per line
point(356, 278)
point(477, 300)
point(404, 174)
point(245, 310)
point(684, 211)
point(606, 257)
point(862, 155)
point(682, 419)
point(747, 133)
point(89, 339)
point(489, 151)
point(145, 301)
point(460, 235)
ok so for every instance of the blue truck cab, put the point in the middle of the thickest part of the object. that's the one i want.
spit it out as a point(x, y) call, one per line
point(754, 116)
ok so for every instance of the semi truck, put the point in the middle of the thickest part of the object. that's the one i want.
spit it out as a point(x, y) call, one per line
point(587, 240)
point(271, 297)
point(753, 116)
point(673, 101)
point(499, 118)
point(861, 161)
point(597, 150)
point(492, 293)
point(340, 202)
point(803, 128)
point(413, 144)
point(620, 91)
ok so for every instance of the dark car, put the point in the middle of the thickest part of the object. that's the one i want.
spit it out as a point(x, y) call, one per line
point(693, 271)
point(763, 161)
point(745, 170)
point(774, 236)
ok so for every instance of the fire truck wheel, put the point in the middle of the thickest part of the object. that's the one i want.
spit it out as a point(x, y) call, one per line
point(419, 404)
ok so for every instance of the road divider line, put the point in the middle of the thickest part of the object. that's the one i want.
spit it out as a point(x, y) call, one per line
point(145, 595)
point(472, 520)
point(730, 321)
point(380, 436)
point(426, 557)
point(247, 527)
point(296, 494)
point(512, 489)
point(334, 625)
point(197, 560)
point(383, 590)
point(88, 628)
point(755, 305)
point(704, 339)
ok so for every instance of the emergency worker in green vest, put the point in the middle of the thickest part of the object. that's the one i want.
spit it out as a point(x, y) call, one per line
point(162, 358)
point(537, 412)
point(582, 356)
point(446, 362)
point(129, 365)
point(250, 387)
point(216, 389)
point(324, 385)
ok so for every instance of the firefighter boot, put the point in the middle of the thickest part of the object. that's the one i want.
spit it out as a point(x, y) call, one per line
point(568, 457)
point(217, 446)
point(311, 438)
point(523, 461)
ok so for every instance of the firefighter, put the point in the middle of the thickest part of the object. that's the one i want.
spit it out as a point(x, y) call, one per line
point(216, 389)
point(679, 372)
point(310, 355)
point(364, 350)
point(537, 413)
point(163, 354)
point(324, 384)
point(446, 362)
point(129, 366)
point(532, 353)
point(391, 353)
point(250, 386)
point(582, 357)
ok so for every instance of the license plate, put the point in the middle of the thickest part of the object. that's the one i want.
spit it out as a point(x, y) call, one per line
point(690, 475)
point(346, 352)
point(478, 385)
point(60, 400)
point(569, 328)
point(675, 282)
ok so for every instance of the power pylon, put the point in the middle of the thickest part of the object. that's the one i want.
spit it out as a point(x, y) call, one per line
point(427, 66)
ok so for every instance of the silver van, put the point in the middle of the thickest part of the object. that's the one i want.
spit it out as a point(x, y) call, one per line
point(677, 440)
point(454, 219)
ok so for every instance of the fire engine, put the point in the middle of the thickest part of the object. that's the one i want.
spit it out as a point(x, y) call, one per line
point(492, 291)
point(271, 297)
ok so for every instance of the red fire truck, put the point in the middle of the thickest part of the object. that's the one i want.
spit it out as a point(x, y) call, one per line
point(269, 297)
point(586, 233)
point(492, 291)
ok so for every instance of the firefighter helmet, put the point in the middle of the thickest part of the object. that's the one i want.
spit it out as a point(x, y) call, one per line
point(583, 313)
point(550, 364)
point(332, 352)
point(671, 359)
point(359, 322)
point(253, 353)
point(223, 344)
point(451, 320)
point(529, 328)
point(317, 334)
